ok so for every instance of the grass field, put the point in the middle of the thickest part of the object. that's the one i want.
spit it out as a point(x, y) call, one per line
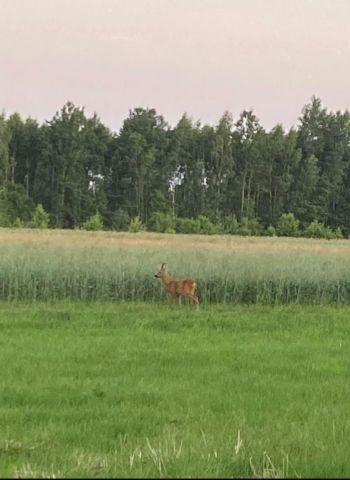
point(145, 390)
point(78, 265)
point(99, 377)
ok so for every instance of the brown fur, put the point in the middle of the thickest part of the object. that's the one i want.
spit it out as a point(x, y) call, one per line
point(176, 288)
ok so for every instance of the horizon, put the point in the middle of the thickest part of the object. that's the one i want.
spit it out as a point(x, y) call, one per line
point(172, 126)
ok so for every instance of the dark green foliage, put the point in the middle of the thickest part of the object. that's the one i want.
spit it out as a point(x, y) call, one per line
point(187, 225)
point(212, 179)
point(287, 225)
point(270, 231)
point(230, 224)
point(136, 225)
point(18, 223)
point(249, 226)
point(14, 203)
point(120, 220)
point(320, 230)
point(206, 226)
point(94, 223)
point(162, 222)
point(40, 218)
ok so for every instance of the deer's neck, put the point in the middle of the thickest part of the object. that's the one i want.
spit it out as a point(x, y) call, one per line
point(166, 279)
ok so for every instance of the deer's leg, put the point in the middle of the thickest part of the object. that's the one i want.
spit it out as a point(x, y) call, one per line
point(194, 300)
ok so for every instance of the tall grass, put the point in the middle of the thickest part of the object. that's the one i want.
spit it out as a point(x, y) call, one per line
point(43, 272)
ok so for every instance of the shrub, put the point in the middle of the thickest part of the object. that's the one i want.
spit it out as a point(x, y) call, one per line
point(206, 226)
point(187, 225)
point(170, 230)
point(230, 224)
point(4, 221)
point(162, 222)
point(243, 228)
point(318, 229)
point(18, 223)
point(255, 227)
point(136, 225)
point(338, 233)
point(270, 231)
point(15, 203)
point(249, 226)
point(40, 218)
point(94, 223)
point(287, 225)
point(120, 220)
point(4, 217)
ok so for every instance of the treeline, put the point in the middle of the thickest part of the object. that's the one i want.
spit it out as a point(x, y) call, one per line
point(234, 177)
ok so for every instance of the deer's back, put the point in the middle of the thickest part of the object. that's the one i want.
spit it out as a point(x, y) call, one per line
point(182, 287)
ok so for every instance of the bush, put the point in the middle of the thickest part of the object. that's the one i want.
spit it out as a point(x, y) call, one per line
point(162, 222)
point(18, 223)
point(338, 233)
point(187, 225)
point(243, 228)
point(287, 225)
point(318, 229)
point(93, 223)
point(249, 226)
point(136, 225)
point(230, 224)
point(15, 203)
point(206, 226)
point(4, 221)
point(40, 218)
point(170, 230)
point(270, 231)
point(120, 220)
point(255, 227)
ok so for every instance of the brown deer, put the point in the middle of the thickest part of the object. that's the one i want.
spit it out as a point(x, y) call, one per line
point(176, 288)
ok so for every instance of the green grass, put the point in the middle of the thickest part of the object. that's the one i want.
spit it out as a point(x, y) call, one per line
point(145, 390)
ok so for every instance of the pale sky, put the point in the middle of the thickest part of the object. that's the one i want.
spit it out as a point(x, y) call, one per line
point(196, 56)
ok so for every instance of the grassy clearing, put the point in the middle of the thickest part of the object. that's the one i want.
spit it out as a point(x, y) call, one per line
point(53, 265)
point(139, 389)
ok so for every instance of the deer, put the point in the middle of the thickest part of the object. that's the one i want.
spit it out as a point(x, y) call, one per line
point(176, 288)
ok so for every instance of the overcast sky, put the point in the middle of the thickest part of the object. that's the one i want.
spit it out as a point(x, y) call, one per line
point(196, 56)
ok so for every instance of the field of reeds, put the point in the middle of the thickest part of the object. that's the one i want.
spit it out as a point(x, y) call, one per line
point(77, 265)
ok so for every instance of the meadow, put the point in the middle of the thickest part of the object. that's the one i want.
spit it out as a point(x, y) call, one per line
point(100, 377)
point(139, 390)
point(77, 265)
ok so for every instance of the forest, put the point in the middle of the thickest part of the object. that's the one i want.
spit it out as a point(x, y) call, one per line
point(234, 177)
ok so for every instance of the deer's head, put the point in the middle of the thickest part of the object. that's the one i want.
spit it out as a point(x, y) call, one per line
point(161, 272)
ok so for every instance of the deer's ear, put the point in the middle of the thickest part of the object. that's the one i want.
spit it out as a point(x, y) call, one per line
point(163, 266)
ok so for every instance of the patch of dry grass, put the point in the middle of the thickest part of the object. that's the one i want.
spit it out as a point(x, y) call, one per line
point(234, 243)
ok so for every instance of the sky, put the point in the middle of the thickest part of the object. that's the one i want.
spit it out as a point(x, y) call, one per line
point(201, 57)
